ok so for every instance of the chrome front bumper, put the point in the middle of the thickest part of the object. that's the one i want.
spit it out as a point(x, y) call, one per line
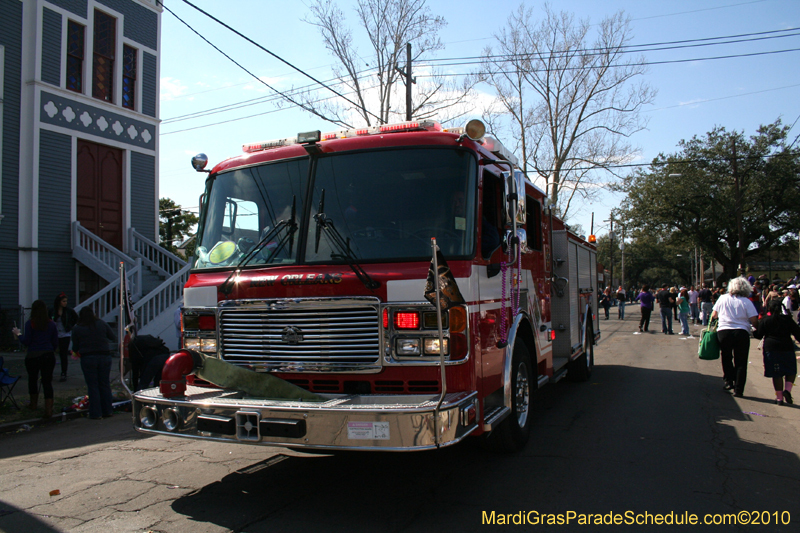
point(344, 422)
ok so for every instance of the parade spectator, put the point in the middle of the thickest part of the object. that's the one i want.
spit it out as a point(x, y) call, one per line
point(683, 310)
point(791, 303)
point(704, 296)
point(621, 299)
point(769, 295)
point(65, 318)
point(90, 339)
point(665, 302)
point(736, 314)
point(41, 338)
point(646, 300)
point(777, 330)
point(674, 292)
point(694, 305)
point(605, 300)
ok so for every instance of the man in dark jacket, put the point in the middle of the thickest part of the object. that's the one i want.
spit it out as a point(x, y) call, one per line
point(665, 302)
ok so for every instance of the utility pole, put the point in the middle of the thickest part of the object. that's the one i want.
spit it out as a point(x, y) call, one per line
point(740, 248)
point(622, 248)
point(408, 79)
point(170, 216)
point(611, 252)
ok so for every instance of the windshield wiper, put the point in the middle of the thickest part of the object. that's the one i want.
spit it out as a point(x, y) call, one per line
point(344, 248)
point(227, 285)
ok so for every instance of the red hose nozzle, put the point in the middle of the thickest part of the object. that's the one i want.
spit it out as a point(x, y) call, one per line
point(173, 376)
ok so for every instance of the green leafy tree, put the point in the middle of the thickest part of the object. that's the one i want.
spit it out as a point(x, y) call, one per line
point(175, 226)
point(693, 193)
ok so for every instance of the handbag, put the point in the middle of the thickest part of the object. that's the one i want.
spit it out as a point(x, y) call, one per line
point(709, 345)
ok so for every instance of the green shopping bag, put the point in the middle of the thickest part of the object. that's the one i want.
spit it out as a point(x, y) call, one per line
point(709, 345)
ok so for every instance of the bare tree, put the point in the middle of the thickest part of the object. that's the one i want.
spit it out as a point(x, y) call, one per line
point(373, 83)
point(575, 103)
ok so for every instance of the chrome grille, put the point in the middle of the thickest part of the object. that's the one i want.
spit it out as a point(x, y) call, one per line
point(304, 335)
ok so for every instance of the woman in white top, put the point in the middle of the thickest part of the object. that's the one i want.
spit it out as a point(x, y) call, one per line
point(736, 313)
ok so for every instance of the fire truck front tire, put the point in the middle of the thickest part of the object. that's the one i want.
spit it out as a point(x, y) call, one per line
point(580, 369)
point(514, 431)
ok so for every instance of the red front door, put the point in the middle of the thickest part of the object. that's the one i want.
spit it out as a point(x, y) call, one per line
point(99, 192)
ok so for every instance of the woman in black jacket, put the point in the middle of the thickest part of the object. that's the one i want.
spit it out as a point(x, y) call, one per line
point(90, 338)
point(65, 319)
point(777, 330)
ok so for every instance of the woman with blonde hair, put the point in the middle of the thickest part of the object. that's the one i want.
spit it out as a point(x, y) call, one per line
point(736, 314)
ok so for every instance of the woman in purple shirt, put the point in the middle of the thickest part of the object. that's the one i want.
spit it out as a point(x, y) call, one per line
point(41, 338)
point(646, 300)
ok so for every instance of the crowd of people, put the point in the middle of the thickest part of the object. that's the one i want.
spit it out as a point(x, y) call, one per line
point(82, 336)
point(741, 308)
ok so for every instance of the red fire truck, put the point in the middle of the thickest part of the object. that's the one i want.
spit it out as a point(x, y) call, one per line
point(305, 322)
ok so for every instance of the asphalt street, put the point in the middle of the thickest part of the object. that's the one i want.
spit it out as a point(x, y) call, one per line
point(652, 432)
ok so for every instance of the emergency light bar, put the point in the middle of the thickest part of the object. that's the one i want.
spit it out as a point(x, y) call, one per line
point(416, 125)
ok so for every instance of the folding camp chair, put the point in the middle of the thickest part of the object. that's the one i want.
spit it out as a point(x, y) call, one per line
point(7, 384)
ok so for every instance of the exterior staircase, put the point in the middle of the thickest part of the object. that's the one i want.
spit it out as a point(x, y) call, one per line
point(155, 278)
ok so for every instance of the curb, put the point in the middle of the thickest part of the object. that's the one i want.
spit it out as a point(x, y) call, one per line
point(13, 427)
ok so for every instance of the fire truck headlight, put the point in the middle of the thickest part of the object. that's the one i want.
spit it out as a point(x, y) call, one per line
point(407, 346)
point(432, 346)
point(208, 345)
point(191, 343)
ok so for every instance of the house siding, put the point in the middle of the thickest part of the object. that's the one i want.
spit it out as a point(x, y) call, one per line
point(149, 76)
point(11, 40)
point(51, 47)
point(141, 24)
point(143, 194)
point(56, 266)
point(78, 7)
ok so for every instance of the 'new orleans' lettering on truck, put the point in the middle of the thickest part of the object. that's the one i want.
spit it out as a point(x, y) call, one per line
point(310, 316)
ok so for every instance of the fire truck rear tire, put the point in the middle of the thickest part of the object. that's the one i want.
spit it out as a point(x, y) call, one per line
point(580, 369)
point(514, 431)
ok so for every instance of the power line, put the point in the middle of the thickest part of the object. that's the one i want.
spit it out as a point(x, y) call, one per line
point(248, 116)
point(723, 98)
point(703, 41)
point(644, 47)
point(666, 62)
point(312, 78)
point(698, 10)
point(253, 101)
point(245, 69)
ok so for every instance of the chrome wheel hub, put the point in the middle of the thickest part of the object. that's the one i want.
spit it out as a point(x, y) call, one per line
point(522, 394)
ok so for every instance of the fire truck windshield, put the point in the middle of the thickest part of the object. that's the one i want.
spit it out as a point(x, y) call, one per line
point(384, 205)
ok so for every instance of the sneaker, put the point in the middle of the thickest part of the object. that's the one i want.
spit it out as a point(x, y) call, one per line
point(788, 397)
point(728, 385)
point(738, 395)
point(779, 402)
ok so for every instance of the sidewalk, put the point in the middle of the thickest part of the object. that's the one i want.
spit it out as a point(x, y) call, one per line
point(64, 393)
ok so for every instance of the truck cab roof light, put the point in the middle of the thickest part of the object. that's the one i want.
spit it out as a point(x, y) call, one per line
point(267, 145)
point(308, 137)
point(315, 136)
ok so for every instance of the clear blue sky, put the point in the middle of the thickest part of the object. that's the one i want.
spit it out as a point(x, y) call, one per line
point(739, 93)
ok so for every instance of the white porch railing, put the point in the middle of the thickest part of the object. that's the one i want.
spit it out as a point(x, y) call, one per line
point(97, 254)
point(161, 298)
point(105, 303)
point(157, 258)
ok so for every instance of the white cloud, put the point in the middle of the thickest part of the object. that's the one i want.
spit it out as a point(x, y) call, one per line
point(171, 89)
